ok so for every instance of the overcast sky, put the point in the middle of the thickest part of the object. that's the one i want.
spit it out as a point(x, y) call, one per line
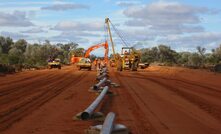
point(181, 24)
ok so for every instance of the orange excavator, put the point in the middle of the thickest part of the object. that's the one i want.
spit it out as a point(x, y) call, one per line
point(104, 44)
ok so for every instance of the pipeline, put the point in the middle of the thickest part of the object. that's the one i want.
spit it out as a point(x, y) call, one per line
point(96, 86)
point(108, 124)
point(89, 111)
point(102, 76)
point(104, 70)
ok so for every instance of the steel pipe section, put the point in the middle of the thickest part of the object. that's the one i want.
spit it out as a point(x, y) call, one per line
point(104, 70)
point(101, 76)
point(100, 84)
point(108, 124)
point(89, 111)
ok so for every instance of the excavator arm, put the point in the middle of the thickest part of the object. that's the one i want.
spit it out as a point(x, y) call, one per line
point(104, 44)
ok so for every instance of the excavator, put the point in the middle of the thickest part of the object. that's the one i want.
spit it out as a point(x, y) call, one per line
point(129, 58)
point(104, 44)
point(85, 61)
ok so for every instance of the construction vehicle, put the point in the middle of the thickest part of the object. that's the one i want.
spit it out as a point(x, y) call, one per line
point(105, 45)
point(75, 60)
point(84, 63)
point(112, 62)
point(143, 65)
point(129, 60)
point(54, 63)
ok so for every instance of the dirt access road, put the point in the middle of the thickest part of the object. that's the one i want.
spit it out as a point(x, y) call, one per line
point(159, 100)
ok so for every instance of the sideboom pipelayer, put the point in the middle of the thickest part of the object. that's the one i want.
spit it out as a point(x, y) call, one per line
point(129, 57)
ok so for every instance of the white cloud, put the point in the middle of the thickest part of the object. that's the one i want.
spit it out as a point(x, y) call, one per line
point(208, 40)
point(65, 6)
point(68, 38)
point(14, 36)
point(82, 37)
point(127, 3)
point(78, 26)
point(171, 17)
point(15, 19)
point(34, 30)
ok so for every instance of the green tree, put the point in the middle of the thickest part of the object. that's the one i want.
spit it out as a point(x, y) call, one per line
point(21, 44)
point(65, 51)
point(217, 54)
point(78, 52)
point(195, 60)
point(68, 47)
point(15, 56)
point(6, 44)
point(183, 58)
point(167, 55)
point(148, 55)
point(201, 50)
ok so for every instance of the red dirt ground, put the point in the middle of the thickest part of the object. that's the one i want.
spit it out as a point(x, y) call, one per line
point(158, 100)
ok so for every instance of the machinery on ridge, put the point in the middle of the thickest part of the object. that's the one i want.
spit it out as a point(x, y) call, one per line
point(104, 44)
point(85, 62)
point(129, 57)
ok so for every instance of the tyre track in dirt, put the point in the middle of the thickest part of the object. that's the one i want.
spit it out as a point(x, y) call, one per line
point(135, 119)
point(24, 89)
point(17, 79)
point(23, 76)
point(36, 101)
point(214, 88)
point(25, 108)
point(153, 100)
point(192, 94)
point(55, 116)
point(15, 94)
point(7, 88)
point(195, 88)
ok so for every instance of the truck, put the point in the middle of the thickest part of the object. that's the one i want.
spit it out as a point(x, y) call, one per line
point(54, 63)
point(84, 63)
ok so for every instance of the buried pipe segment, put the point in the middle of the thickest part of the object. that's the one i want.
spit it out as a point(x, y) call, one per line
point(89, 111)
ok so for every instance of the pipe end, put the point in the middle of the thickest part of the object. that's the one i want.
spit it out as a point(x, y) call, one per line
point(85, 116)
point(95, 87)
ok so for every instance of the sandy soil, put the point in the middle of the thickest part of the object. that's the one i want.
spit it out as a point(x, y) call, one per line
point(158, 100)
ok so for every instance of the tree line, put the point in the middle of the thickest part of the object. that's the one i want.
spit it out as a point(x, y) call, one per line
point(21, 54)
point(165, 55)
point(15, 55)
